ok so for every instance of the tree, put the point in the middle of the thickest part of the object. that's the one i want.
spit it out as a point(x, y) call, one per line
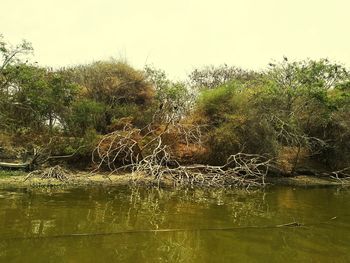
point(12, 54)
point(211, 77)
point(298, 103)
point(173, 99)
point(85, 115)
point(121, 89)
point(38, 97)
point(233, 124)
point(11, 57)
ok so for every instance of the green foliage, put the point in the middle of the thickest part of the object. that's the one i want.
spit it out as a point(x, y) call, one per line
point(126, 110)
point(85, 114)
point(301, 105)
point(157, 77)
point(210, 77)
point(112, 82)
point(10, 55)
point(8, 173)
point(172, 98)
point(37, 98)
point(215, 104)
point(120, 90)
point(234, 125)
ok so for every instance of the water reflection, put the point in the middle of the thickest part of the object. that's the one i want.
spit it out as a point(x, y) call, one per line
point(108, 210)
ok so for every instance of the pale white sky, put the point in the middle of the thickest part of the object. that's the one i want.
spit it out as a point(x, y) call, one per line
point(178, 35)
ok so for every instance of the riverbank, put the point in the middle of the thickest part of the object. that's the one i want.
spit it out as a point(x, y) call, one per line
point(18, 179)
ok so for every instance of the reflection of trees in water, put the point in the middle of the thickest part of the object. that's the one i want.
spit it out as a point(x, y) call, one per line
point(104, 210)
point(159, 206)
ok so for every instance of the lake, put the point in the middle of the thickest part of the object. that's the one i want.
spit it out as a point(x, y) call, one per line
point(122, 224)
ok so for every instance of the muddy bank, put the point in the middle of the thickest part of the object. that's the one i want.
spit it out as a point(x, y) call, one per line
point(17, 179)
point(307, 180)
point(77, 179)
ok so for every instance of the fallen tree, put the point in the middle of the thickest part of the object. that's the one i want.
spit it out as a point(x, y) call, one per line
point(37, 165)
point(242, 170)
point(24, 166)
point(29, 165)
point(147, 152)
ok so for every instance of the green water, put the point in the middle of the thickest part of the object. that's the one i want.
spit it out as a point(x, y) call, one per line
point(35, 225)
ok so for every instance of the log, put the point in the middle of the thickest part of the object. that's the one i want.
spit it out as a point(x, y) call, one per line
point(15, 165)
point(37, 160)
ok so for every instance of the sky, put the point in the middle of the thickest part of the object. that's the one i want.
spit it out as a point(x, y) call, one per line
point(179, 35)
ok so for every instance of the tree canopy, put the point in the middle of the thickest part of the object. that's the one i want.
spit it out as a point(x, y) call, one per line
point(294, 112)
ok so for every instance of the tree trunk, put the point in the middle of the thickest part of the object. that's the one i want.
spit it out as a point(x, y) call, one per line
point(16, 166)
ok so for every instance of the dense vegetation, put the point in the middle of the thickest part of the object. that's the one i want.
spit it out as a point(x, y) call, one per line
point(294, 112)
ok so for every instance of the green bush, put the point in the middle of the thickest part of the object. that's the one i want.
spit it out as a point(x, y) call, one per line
point(234, 124)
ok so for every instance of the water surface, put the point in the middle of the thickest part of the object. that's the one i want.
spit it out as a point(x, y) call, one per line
point(36, 226)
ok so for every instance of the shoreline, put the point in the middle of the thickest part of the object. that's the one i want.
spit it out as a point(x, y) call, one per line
point(84, 179)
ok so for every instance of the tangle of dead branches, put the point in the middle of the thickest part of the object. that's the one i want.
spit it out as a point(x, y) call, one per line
point(55, 172)
point(342, 175)
point(147, 152)
point(241, 170)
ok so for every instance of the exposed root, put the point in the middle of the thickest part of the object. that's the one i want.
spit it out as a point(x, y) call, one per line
point(55, 172)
